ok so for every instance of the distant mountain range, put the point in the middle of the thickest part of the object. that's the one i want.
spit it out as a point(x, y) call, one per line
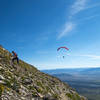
point(75, 71)
point(86, 81)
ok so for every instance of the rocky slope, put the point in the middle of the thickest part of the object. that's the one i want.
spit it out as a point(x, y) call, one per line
point(24, 82)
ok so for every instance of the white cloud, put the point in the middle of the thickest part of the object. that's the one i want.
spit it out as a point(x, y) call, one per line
point(78, 6)
point(67, 29)
point(93, 6)
point(81, 5)
point(69, 26)
point(87, 18)
point(91, 56)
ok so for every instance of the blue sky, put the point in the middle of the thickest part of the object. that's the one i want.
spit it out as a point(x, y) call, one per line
point(34, 29)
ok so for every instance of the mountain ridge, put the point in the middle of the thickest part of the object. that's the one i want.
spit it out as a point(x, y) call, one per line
point(72, 70)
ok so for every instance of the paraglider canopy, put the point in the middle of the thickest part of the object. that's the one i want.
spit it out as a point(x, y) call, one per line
point(62, 47)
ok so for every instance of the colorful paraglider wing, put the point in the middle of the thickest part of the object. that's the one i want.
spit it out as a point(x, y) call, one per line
point(58, 49)
point(62, 47)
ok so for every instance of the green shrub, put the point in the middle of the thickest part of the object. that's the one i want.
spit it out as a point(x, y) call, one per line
point(69, 95)
point(55, 96)
point(1, 89)
point(8, 84)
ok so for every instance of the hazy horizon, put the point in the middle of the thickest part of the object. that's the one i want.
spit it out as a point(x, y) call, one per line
point(70, 68)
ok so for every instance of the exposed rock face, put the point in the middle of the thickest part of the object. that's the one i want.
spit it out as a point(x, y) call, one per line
point(24, 82)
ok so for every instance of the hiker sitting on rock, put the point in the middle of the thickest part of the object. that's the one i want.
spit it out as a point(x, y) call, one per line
point(15, 57)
